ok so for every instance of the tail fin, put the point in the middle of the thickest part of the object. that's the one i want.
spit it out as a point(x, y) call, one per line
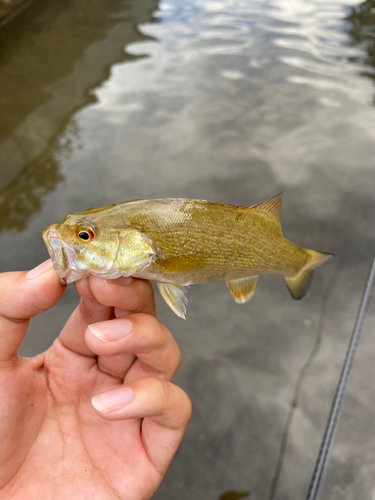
point(300, 282)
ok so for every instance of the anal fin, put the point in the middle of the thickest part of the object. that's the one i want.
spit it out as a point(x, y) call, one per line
point(174, 296)
point(242, 289)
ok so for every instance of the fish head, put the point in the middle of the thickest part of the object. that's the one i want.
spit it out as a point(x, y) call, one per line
point(79, 247)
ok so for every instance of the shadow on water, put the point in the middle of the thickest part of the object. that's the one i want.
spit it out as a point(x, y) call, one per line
point(234, 495)
point(47, 73)
point(362, 32)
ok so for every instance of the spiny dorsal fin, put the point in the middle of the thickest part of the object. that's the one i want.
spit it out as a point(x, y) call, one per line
point(242, 289)
point(272, 206)
point(174, 296)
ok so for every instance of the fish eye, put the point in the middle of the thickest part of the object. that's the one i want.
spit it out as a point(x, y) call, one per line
point(85, 235)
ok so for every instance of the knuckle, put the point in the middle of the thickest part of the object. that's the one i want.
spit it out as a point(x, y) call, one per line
point(147, 299)
point(158, 388)
point(164, 392)
point(92, 311)
point(178, 405)
point(149, 331)
point(185, 408)
point(136, 297)
point(84, 310)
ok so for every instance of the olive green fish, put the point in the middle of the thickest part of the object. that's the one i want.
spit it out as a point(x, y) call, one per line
point(179, 242)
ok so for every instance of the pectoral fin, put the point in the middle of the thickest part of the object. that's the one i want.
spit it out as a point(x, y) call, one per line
point(242, 289)
point(174, 296)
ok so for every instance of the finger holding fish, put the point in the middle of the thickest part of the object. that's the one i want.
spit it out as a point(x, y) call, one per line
point(102, 301)
point(72, 335)
point(128, 294)
point(124, 293)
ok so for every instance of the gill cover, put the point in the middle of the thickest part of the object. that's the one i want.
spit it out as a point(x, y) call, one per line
point(135, 252)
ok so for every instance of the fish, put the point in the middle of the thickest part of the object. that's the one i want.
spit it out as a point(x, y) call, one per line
point(179, 242)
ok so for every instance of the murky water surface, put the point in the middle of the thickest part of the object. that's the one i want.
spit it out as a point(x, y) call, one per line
point(231, 101)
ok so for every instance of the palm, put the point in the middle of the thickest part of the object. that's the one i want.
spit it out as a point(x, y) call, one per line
point(61, 442)
point(101, 450)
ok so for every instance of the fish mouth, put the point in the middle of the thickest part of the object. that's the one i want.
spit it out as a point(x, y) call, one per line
point(62, 255)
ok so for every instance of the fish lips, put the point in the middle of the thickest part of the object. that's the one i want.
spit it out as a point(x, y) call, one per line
point(63, 257)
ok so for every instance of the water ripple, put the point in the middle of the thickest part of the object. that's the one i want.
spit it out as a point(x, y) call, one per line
point(310, 38)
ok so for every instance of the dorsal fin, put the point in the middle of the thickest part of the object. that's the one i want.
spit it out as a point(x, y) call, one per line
point(272, 206)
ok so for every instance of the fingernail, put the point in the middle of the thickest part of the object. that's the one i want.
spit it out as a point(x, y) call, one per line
point(38, 270)
point(111, 330)
point(112, 400)
point(124, 280)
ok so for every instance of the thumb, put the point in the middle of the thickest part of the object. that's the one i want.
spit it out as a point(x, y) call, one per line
point(22, 296)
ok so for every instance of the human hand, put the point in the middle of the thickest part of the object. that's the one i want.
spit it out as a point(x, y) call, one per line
point(54, 443)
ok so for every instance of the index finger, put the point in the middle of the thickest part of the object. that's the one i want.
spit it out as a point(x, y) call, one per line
point(101, 299)
point(22, 296)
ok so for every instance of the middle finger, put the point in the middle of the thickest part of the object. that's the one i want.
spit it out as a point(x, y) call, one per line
point(141, 335)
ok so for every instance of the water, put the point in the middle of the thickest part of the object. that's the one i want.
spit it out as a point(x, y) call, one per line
point(231, 101)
